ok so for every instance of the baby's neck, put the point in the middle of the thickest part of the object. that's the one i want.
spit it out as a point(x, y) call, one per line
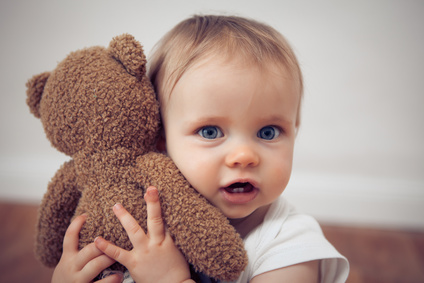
point(245, 225)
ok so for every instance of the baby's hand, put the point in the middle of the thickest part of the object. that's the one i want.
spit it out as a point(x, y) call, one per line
point(83, 265)
point(154, 258)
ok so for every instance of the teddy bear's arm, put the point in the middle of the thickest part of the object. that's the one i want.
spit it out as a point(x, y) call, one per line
point(200, 230)
point(55, 213)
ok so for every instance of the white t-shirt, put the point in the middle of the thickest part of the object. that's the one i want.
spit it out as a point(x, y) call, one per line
point(287, 237)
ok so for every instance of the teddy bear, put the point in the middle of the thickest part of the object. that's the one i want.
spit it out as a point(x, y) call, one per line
point(99, 108)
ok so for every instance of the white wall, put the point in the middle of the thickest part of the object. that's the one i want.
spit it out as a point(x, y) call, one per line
point(360, 154)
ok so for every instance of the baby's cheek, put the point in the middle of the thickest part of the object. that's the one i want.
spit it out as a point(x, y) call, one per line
point(195, 171)
point(281, 174)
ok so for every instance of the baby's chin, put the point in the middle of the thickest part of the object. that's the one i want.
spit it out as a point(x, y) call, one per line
point(237, 217)
point(252, 217)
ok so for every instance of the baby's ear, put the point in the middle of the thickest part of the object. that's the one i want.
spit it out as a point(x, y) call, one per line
point(35, 88)
point(129, 52)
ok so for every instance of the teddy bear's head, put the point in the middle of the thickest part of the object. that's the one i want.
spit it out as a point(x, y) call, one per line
point(98, 99)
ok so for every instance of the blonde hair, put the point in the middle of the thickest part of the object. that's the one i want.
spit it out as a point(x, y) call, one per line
point(198, 37)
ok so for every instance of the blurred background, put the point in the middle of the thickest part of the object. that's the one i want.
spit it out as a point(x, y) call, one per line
point(359, 159)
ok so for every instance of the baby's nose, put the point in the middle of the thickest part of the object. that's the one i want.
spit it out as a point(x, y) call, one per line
point(242, 156)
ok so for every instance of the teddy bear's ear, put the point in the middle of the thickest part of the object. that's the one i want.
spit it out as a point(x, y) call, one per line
point(129, 52)
point(35, 88)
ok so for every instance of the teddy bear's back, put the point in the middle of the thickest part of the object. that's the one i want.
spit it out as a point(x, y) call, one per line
point(110, 180)
point(106, 178)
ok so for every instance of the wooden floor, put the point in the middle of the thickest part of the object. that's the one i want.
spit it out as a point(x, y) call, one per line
point(375, 256)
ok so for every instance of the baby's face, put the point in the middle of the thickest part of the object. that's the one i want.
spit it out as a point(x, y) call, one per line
point(230, 129)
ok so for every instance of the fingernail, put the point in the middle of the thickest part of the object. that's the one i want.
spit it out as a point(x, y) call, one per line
point(152, 191)
point(117, 206)
point(99, 241)
point(83, 216)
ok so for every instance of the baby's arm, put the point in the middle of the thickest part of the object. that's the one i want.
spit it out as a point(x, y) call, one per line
point(154, 258)
point(307, 272)
point(83, 265)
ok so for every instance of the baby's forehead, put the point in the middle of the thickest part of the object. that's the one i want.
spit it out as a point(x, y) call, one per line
point(221, 59)
point(232, 89)
point(268, 68)
point(214, 74)
point(209, 80)
point(224, 56)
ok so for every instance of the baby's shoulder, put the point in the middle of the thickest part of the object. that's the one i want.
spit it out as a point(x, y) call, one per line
point(283, 224)
point(287, 237)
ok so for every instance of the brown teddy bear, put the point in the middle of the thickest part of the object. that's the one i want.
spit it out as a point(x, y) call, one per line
point(99, 108)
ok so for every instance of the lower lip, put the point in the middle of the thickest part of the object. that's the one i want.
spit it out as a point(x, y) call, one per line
point(239, 198)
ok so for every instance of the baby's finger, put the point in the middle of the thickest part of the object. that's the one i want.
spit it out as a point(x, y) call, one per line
point(70, 241)
point(131, 226)
point(97, 265)
point(112, 251)
point(155, 227)
point(86, 255)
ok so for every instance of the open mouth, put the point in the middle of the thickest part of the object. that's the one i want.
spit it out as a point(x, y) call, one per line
point(239, 188)
point(240, 192)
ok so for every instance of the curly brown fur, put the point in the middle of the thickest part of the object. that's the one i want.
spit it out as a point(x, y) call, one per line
point(99, 107)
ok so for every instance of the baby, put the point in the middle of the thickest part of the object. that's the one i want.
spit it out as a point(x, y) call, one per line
point(230, 91)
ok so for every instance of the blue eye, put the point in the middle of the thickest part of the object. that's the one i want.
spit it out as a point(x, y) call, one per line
point(268, 133)
point(210, 132)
